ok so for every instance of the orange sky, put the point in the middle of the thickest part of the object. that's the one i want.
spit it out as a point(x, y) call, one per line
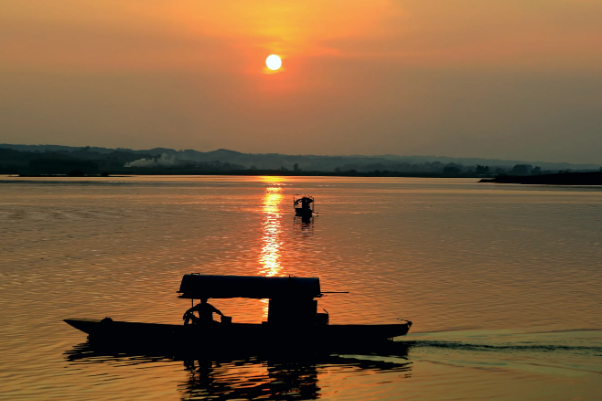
point(505, 79)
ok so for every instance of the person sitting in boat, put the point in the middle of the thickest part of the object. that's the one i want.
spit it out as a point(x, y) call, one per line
point(304, 203)
point(205, 310)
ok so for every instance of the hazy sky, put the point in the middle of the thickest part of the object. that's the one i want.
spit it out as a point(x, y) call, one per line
point(514, 79)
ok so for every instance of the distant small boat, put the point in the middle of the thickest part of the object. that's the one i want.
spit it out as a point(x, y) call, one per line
point(292, 317)
point(304, 205)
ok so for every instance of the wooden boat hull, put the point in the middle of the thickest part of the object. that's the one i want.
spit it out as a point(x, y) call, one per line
point(303, 212)
point(234, 333)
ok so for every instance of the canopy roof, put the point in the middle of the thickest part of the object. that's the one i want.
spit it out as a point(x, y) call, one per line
point(300, 196)
point(198, 286)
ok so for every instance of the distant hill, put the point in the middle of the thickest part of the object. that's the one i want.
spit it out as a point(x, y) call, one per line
point(19, 158)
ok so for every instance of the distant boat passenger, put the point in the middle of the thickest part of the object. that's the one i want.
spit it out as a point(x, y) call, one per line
point(205, 310)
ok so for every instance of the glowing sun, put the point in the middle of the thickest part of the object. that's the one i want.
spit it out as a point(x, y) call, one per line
point(273, 62)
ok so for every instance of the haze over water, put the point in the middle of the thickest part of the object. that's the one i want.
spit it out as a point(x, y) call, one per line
point(503, 284)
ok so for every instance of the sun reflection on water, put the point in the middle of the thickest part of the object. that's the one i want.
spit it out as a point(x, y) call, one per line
point(270, 251)
point(269, 258)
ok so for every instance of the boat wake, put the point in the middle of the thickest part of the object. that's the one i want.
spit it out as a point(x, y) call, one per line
point(457, 345)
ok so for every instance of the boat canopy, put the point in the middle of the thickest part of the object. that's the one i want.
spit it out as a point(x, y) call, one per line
point(301, 196)
point(196, 286)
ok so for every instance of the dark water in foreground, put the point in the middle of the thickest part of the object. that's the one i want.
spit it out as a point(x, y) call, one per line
point(503, 283)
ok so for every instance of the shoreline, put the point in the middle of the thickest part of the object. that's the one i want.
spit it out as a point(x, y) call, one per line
point(586, 178)
point(253, 173)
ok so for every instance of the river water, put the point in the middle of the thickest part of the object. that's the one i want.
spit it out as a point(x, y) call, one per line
point(503, 284)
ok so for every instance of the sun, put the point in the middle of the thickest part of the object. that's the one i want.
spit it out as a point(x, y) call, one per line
point(273, 62)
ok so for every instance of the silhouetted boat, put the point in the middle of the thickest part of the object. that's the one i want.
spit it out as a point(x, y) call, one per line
point(304, 205)
point(292, 317)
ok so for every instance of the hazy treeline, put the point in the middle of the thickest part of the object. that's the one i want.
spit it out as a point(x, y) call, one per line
point(54, 159)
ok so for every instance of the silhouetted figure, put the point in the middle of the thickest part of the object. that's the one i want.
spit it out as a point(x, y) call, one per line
point(205, 310)
point(305, 203)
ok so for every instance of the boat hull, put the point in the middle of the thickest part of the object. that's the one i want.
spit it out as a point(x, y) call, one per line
point(305, 213)
point(234, 333)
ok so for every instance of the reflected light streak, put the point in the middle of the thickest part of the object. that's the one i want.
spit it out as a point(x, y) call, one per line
point(270, 251)
point(272, 180)
point(269, 258)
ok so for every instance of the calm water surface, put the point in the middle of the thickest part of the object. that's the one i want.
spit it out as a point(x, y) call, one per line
point(503, 283)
